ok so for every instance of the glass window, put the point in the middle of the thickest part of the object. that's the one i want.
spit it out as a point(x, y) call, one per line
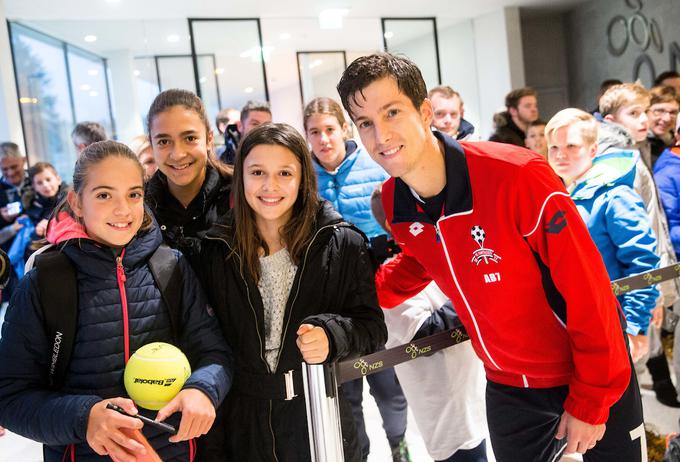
point(44, 100)
point(89, 84)
point(417, 39)
point(58, 86)
point(146, 83)
point(320, 72)
point(176, 72)
point(239, 56)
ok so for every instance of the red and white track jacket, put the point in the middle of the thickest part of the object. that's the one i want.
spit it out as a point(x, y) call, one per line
point(513, 254)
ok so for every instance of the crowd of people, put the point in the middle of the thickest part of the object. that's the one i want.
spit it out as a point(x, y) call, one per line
point(319, 246)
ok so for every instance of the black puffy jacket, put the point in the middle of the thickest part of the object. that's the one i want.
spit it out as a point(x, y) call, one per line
point(181, 225)
point(333, 288)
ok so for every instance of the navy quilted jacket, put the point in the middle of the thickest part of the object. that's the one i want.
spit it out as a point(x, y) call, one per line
point(59, 418)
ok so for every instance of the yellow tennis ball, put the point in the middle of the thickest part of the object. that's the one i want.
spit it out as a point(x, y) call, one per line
point(155, 374)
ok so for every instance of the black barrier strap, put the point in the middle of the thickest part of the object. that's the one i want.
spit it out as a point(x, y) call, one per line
point(370, 364)
point(639, 281)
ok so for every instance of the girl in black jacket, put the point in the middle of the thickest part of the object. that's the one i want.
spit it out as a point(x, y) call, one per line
point(191, 189)
point(290, 281)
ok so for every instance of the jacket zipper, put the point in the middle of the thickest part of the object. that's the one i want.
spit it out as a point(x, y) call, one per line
point(120, 276)
point(460, 291)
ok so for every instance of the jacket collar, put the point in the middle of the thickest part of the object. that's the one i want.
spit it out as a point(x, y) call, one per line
point(351, 148)
point(609, 169)
point(458, 190)
point(158, 192)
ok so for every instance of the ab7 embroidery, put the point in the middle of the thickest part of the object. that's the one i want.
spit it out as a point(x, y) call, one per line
point(482, 254)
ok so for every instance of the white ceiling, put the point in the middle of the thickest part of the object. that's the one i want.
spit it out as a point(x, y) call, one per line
point(174, 9)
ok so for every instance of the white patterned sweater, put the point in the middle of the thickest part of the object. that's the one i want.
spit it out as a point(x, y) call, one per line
point(277, 275)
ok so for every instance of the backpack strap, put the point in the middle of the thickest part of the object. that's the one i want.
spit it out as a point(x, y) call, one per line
point(166, 272)
point(58, 294)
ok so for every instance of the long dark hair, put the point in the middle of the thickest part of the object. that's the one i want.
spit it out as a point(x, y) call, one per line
point(176, 97)
point(297, 232)
point(91, 156)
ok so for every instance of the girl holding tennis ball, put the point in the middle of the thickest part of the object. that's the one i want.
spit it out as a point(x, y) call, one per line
point(108, 237)
point(290, 281)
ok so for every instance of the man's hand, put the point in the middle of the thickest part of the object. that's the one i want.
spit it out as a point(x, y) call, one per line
point(313, 343)
point(581, 436)
point(2, 431)
point(104, 435)
point(639, 346)
point(198, 414)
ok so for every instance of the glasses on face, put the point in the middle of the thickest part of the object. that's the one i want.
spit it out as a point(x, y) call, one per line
point(660, 112)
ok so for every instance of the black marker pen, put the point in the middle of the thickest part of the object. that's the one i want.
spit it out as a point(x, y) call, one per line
point(159, 425)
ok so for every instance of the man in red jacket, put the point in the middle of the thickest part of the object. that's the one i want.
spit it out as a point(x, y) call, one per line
point(495, 228)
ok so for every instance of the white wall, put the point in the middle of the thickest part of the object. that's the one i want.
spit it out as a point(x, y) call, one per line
point(499, 61)
point(10, 121)
point(459, 66)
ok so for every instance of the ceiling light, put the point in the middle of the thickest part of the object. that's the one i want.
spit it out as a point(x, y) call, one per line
point(219, 71)
point(331, 18)
point(203, 79)
point(285, 36)
point(249, 89)
point(94, 93)
point(315, 63)
point(136, 73)
point(389, 35)
point(90, 38)
point(85, 87)
point(26, 100)
point(173, 38)
point(93, 72)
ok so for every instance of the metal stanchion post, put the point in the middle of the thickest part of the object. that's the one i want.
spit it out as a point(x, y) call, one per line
point(323, 412)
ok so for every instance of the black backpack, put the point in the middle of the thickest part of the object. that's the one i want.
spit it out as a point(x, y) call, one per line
point(59, 301)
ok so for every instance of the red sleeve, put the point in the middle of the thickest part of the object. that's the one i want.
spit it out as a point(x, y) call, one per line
point(403, 277)
point(553, 227)
point(400, 279)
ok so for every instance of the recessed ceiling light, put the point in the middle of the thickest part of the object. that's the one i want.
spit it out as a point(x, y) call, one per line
point(249, 89)
point(85, 87)
point(219, 70)
point(172, 38)
point(315, 63)
point(203, 79)
point(285, 36)
point(90, 38)
point(136, 73)
point(92, 72)
point(94, 93)
point(389, 35)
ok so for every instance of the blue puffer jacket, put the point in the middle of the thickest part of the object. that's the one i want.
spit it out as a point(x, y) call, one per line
point(667, 176)
point(349, 188)
point(59, 418)
point(619, 225)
